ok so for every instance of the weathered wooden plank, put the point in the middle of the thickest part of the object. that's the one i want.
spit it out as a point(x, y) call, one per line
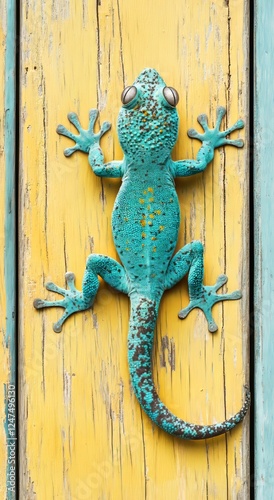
point(263, 249)
point(77, 404)
point(7, 250)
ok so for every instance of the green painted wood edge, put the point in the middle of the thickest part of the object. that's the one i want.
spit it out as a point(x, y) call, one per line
point(10, 234)
point(264, 248)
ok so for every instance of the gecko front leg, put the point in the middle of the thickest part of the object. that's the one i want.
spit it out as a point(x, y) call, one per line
point(210, 139)
point(215, 137)
point(89, 142)
point(86, 138)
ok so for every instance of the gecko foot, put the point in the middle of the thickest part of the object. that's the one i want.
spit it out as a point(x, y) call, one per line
point(206, 299)
point(215, 137)
point(86, 138)
point(72, 302)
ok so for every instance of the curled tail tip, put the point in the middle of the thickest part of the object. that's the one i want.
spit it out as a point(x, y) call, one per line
point(140, 344)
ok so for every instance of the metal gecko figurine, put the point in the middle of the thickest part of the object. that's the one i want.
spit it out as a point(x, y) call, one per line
point(145, 225)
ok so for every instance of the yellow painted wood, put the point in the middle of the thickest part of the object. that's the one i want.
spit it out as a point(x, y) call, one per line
point(83, 435)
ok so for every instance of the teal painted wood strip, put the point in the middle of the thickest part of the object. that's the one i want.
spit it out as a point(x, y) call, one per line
point(10, 239)
point(264, 249)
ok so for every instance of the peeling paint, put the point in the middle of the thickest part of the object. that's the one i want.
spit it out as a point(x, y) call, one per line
point(67, 389)
point(60, 10)
point(169, 346)
point(10, 243)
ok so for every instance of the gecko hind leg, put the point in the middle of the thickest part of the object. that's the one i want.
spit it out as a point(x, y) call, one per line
point(74, 300)
point(190, 260)
point(206, 299)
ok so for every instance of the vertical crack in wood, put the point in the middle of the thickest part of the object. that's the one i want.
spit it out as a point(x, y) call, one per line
point(98, 40)
point(84, 12)
point(43, 357)
point(65, 248)
point(45, 146)
point(121, 43)
point(144, 455)
point(228, 98)
point(102, 194)
point(208, 468)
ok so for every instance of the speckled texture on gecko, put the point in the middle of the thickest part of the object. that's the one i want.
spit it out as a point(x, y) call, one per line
point(145, 226)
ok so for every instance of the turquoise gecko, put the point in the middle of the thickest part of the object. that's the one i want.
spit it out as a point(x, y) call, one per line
point(145, 226)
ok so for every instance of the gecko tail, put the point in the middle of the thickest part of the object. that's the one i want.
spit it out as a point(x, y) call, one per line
point(140, 344)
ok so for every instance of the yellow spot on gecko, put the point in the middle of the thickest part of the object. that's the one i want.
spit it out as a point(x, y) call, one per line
point(148, 207)
point(153, 238)
point(161, 228)
point(144, 235)
point(143, 222)
point(151, 199)
point(141, 200)
point(150, 189)
point(150, 223)
point(154, 249)
point(144, 192)
point(151, 216)
point(125, 219)
point(158, 212)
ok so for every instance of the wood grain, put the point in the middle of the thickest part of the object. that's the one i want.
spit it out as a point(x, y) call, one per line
point(7, 245)
point(83, 433)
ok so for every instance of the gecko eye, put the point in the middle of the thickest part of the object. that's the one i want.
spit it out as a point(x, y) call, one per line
point(171, 96)
point(128, 94)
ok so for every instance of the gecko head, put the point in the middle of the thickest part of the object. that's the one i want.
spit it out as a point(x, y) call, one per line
point(148, 120)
